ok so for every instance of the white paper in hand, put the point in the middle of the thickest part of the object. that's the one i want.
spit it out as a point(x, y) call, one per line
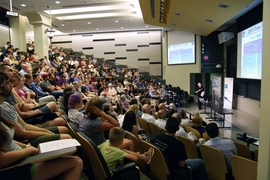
point(57, 145)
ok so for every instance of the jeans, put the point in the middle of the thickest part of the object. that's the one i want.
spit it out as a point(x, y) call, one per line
point(197, 167)
point(56, 94)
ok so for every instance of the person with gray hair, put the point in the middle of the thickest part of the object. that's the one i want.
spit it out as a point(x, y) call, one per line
point(108, 109)
point(146, 114)
point(161, 121)
point(182, 132)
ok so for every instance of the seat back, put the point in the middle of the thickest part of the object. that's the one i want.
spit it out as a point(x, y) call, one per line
point(73, 129)
point(144, 125)
point(256, 153)
point(153, 128)
point(135, 140)
point(242, 150)
point(163, 130)
point(243, 168)
point(20, 172)
point(195, 131)
point(190, 147)
point(95, 158)
point(215, 163)
point(158, 166)
point(137, 148)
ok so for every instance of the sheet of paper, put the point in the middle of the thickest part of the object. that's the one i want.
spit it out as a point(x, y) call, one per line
point(57, 145)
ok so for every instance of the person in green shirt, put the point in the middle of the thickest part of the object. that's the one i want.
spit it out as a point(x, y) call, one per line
point(114, 155)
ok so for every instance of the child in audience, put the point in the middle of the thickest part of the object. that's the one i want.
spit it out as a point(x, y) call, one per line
point(114, 155)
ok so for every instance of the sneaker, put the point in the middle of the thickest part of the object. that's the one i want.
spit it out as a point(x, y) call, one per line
point(148, 155)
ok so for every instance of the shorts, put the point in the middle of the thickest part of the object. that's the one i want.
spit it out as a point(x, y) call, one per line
point(45, 110)
point(36, 141)
point(43, 125)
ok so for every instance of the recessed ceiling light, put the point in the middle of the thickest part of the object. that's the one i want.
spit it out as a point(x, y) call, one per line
point(62, 24)
point(208, 20)
point(57, 2)
point(23, 5)
point(74, 30)
point(121, 27)
point(176, 14)
point(97, 29)
point(116, 21)
point(88, 22)
point(198, 29)
point(146, 26)
point(223, 6)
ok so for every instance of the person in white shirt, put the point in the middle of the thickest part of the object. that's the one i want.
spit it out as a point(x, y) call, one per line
point(120, 88)
point(161, 122)
point(146, 114)
point(111, 91)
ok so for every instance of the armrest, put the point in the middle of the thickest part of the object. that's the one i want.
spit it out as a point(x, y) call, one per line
point(124, 167)
point(43, 157)
point(127, 171)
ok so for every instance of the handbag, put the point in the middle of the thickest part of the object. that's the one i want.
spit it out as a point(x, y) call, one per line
point(41, 118)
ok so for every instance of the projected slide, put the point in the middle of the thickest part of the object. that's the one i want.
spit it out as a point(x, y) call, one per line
point(181, 53)
point(251, 52)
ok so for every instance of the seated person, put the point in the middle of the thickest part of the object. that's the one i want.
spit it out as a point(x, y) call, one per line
point(113, 154)
point(124, 102)
point(130, 123)
point(11, 151)
point(161, 121)
point(175, 153)
point(91, 126)
point(36, 88)
point(226, 146)
point(24, 131)
point(77, 87)
point(47, 87)
point(190, 135)
point(75, 104)
point(146, 113)
point(108, 109)
point(197, 124)
point(185, 121)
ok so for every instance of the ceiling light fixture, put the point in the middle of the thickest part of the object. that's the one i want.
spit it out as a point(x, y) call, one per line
point(57, 2)
point(122, 7)
point(23, 5)
point(116, 21)
point(62, 24)
point(97, 29)
point(94, 16)
point(176, 14)
point(88, 22)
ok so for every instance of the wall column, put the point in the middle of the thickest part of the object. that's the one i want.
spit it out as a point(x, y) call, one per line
point(40, 23)
point(17, 32)
point(264, 153)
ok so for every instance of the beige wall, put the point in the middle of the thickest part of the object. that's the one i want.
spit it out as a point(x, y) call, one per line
point(179, 75)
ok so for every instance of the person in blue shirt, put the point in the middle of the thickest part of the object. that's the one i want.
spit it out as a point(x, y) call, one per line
point(36, 88)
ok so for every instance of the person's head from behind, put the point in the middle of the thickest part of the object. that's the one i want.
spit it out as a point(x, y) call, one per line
point(183, 114)
point(177, 116)
point(161, 114)
point(116, 136)
point(69, 88)
point(129, 121)
point(133, 101)
point(75, 101)
point(146, 109)
point(134, 108)
point(212, 130)
point(107, 107)
point(172, 125)
point(196, 121)
point(89, 107)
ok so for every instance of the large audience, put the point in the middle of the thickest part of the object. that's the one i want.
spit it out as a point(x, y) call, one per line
point(97, 96)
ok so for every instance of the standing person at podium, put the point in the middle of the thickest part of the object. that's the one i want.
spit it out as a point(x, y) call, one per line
point(200, 93)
